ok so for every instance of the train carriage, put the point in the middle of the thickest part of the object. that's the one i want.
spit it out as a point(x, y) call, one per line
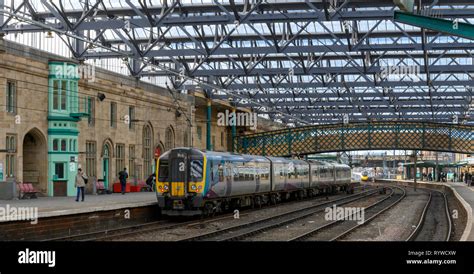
point(193, 182)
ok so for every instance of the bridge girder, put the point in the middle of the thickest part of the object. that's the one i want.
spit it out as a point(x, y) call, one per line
point(264, 51)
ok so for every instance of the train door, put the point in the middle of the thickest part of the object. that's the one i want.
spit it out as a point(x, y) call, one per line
point(229, 177)
point(179, 173)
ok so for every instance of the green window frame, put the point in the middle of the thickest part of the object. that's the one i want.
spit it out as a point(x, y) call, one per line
point(63, 145)
point(91, 111)
point(60, 170)
point(60, 95)
point(55, 144)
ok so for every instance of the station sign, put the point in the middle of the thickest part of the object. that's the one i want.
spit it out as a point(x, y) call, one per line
point(157, 152)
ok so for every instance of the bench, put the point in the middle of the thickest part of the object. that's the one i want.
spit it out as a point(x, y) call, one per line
point(27, 191)
point(100, 187)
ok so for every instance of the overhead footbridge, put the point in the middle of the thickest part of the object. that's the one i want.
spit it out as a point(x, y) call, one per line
point(359, 136)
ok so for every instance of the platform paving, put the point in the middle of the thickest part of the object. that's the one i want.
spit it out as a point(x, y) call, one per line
point(59, 206)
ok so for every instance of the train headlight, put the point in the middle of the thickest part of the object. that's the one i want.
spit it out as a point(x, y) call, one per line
point(166, 188)
point(193, 187)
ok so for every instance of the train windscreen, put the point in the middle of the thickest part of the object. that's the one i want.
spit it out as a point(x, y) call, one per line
point(196, 170)
point(163, 171)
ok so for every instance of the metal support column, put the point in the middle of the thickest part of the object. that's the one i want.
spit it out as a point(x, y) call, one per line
point(208, 125)
point(234, 128)
point(415, 171)
point(79, 46)
point(2, 17)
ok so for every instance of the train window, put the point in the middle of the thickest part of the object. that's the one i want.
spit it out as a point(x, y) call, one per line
point(163, 171)
point(263, 172)
point(236, 174)
point(196, 170)
point(220, 172)
point(323, 172)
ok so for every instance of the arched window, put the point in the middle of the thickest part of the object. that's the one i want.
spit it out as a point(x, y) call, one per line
point(147, 150)
point(169, 138)
point(63, 145)
point(55, 145)
point(106, 151)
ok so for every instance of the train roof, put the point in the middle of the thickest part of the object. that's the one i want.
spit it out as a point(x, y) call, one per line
point(247, 157)
point(234, 156)
point(286, 160)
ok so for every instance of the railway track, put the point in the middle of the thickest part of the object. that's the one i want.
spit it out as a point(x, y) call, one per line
point(115, 233)
point(338, 229)
point(435, 222)
point(161, 225)
point(240, 231)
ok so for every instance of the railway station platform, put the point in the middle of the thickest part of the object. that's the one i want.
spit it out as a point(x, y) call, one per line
point(54, 217)
point(463, 193)
point(467, 193)
point(60, 206)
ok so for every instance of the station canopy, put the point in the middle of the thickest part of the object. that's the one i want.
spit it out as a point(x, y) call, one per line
point(298, 62)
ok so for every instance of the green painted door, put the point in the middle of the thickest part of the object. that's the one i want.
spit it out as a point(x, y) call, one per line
point(105, 167)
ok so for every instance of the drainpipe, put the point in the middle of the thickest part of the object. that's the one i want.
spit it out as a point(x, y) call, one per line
point(208, 125)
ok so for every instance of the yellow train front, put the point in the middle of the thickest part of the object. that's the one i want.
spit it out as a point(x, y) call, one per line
point(180, 181)
point(364, 176)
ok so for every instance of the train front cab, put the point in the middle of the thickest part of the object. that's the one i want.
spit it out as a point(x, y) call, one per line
point(364, 176)
point(181, 182)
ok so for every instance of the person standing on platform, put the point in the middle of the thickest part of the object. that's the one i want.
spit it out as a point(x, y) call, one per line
point(80, 184)
point(123, 175)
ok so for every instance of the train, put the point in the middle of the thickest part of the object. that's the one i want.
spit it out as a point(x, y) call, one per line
point(363, 175)
point(192, 182)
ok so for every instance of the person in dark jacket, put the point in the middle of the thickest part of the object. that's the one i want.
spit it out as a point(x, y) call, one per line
point(123, 175)
point(80, 184)
point(151, 181)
